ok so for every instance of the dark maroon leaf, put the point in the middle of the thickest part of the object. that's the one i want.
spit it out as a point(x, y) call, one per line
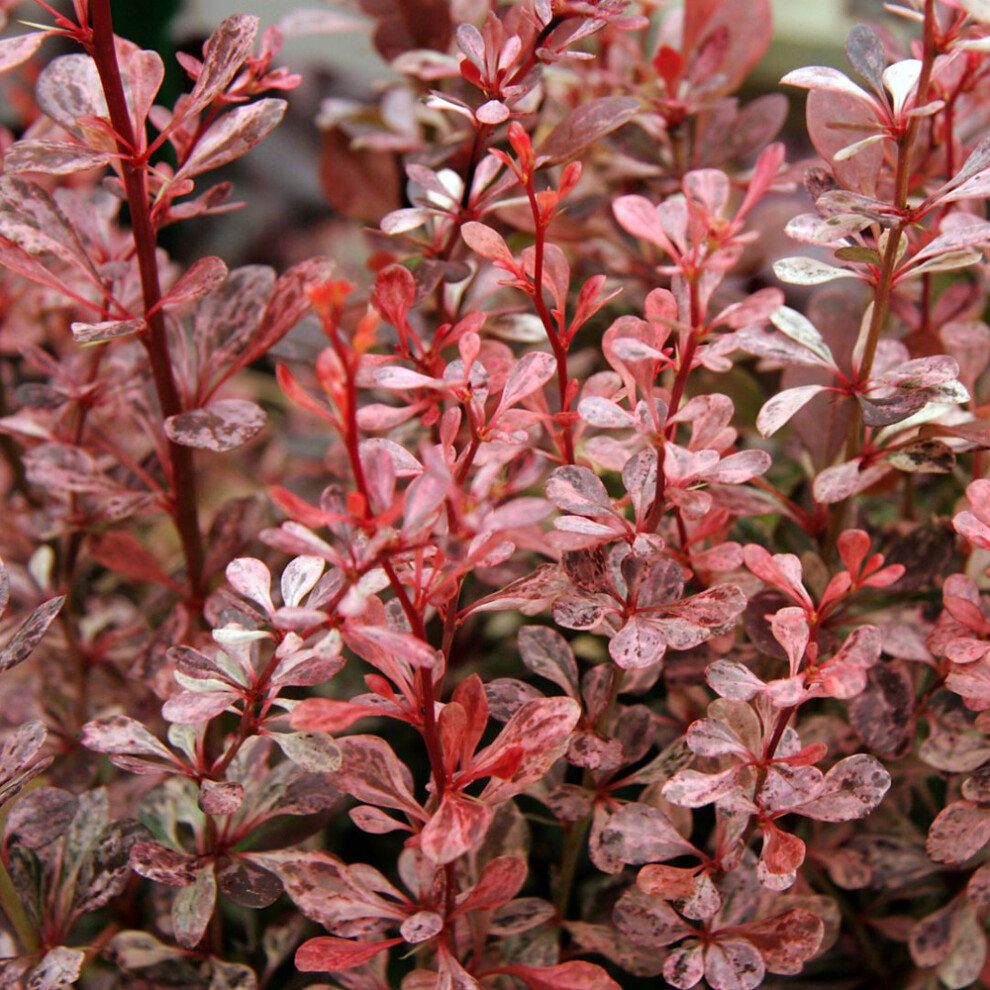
point(584, 125)
point(883, 714)
point(403, 27)
point(40, 817)
point(248, 884)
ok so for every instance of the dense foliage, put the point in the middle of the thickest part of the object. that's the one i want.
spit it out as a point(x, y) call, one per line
point(630, 618)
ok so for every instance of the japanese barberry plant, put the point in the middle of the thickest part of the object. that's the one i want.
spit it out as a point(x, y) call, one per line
point(570, 589)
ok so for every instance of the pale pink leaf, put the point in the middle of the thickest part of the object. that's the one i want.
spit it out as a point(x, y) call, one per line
point(223, 425)
point(532, 372)
point(638, 833)
point(371, 772)
point(17, 50)
point(546, 653)
point(233, 135)
point(851, 789)
point(251, 578)
point(193, 907)
point(823, 77)
point(421, 927)
point(692, 789)
point(808, 271)
point(579, 490)
point(493, 112)
point(52, 157)
point(959, 831)
point(810, 228)
point(605, 414)
point(711, 737)
point(734, 964)
point(684, 965)
point(223, 55)
point(98, 333)
point(648, 921)
point(314, 752)
point(639, 643)
point(121, 734)
point(732, 680)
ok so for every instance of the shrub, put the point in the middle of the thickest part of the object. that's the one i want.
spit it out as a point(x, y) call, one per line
point(632, 617)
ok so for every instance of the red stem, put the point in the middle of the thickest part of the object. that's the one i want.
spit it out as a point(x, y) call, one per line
point(564, 440)
point(133, 169)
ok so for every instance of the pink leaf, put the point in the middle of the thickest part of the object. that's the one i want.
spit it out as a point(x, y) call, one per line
point(202, 278)
point(787, 940)
point(648, 921)
point(574, 975)
point(820, 77)
point(375, 821)
point(457, 826)
point(790, 628)
point(163, 865)
point(220, 797)
point(638, 216)
point(500, 881)
point(371, 772)
point(51, 157)
point(29, 633)
point(223, 55)
point(488, 243)
point(541, 729)
point(193, 707)
point(326, 954)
